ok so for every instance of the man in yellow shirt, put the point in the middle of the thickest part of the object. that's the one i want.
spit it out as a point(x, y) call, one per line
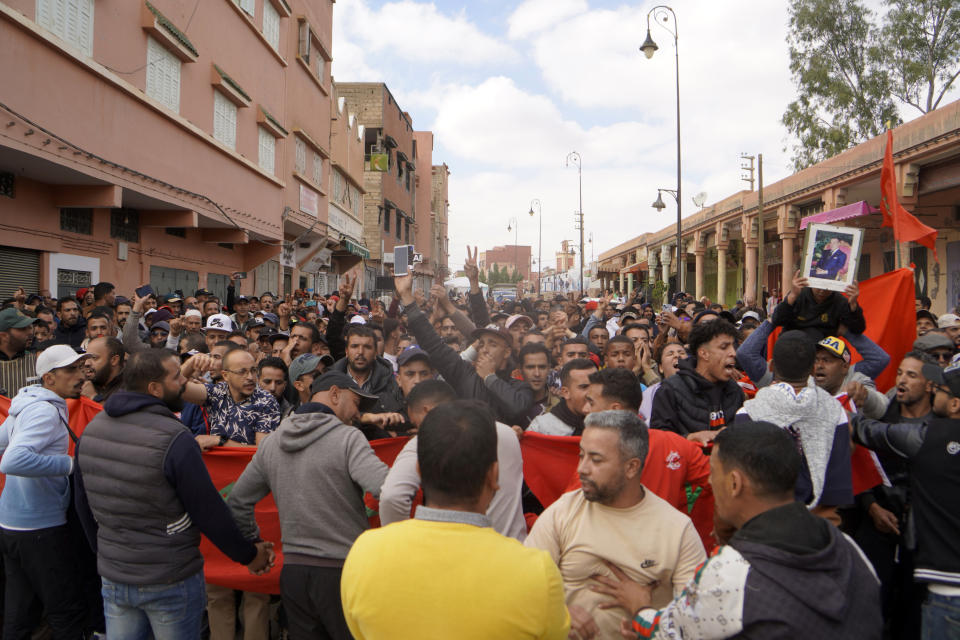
point(614, 520)
point(447, 573)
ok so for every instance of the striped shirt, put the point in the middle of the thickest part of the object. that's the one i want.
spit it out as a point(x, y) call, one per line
point(14, 373)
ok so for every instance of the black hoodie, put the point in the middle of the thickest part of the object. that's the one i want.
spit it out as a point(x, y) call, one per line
point(687, 402)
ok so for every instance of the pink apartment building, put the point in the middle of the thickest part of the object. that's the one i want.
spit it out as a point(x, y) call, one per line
point(174, 142)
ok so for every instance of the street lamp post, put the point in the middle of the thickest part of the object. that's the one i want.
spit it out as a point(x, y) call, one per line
point(649, 47)
point(536, 201)
point(574, 157)
point(514, 225)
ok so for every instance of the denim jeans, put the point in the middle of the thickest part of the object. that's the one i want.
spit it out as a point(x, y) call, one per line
point(172, 611)
point(941, 617)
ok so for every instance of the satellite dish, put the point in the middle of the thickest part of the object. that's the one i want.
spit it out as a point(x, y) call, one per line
point(700, 198)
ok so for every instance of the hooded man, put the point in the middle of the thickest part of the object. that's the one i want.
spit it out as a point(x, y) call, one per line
point(314, 465)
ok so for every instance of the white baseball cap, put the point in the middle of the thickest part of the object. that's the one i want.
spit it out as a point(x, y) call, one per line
point(948, 320)
point(219, 322)
point(55, 357)
point(358, 319)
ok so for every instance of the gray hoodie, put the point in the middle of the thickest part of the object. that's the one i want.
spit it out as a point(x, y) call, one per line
point(318, 470)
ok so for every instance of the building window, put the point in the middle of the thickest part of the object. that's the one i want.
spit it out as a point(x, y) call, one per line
point(406, 233)
point(321, 68)
point(77, 221)
point(271, 25)
point(317, 169)
point(247, 6)
point(224, 120)
point(399, 226)
point(179, 232)
point(337, 182)
point(268, 149)
point(300, 159)
point(71, 20)
point(125, 225)
point(163, 75)
point(386, 220)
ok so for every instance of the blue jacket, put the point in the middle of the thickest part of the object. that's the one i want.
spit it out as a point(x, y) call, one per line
point(33, 453)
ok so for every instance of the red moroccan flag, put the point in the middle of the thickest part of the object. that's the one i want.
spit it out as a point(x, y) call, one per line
point(906, 228)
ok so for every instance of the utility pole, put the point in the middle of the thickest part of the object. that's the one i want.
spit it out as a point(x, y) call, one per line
point(761, 265)
point(747, 168)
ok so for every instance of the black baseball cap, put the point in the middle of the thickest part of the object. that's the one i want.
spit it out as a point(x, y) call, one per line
point(948, 377)
point(343, 381)
point(412, 353)
point(923, 313)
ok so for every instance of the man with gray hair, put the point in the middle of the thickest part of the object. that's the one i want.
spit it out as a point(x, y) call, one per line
point(613, 526)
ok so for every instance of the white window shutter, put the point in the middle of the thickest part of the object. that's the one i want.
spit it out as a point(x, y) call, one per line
point(224, 120)
point(163, 75)
point(271, 24)
point(317, 169)
point(267, 145)
point(71, 20)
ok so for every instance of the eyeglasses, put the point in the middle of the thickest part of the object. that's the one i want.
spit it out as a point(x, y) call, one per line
point(243, 373)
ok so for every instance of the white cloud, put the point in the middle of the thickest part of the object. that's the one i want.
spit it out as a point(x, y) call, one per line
point(536, 15)
point(418, 32)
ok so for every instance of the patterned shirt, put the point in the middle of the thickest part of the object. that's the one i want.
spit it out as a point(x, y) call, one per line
point(241, 422)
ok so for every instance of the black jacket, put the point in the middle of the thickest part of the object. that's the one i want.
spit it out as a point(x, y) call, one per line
point(688, 402)
point(824, 317)
point(932, 449)
point(72, 336)
point(381, 383)
point(509, 399)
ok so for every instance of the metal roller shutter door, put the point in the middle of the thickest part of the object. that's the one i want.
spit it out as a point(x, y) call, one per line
point(19, 268)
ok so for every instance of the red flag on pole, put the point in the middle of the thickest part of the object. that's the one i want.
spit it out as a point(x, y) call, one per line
point(906, 228)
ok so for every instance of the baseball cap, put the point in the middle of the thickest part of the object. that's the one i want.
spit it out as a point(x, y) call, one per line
point(190, 313)
point(270, 317)
point(492, 329)
point(201, 292)
point(924, 313)
point(267, 332)
point(518, 317)
point(162, 324)
point(343, 381)
point(412, 353)
point(358, 319)
point(10, 318)
point(591, 306)
point(949, 377)
point(498, 315)
point(56, 357)
point(162, 315)
point(948, 320)
point(242, 298)
point(933, 340)
point(836, 347)
point(279, 335)
point(219, 322)
point(255, 322)
point(750, 314)
point(303, 364)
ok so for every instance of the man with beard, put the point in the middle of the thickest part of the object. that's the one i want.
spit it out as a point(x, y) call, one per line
point(145, 497)
point(614, 520)
point(72, 328)
point(38, 554)
point(104, 366)
point(703, 397)
point(16, 362)
point(373, 375)
point(566, 417)
point(239, 411)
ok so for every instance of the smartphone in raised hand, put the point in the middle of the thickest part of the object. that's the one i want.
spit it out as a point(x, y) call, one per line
point(401, 259)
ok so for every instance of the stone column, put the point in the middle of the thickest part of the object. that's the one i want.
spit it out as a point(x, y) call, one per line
point(751, 266)
point(622, 290)
point(629, 284)
point(699, 253)
point(722, 274)
point(665, 259)
point(787, 241)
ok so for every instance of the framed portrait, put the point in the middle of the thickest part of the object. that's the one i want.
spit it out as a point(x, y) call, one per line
point(831, 255)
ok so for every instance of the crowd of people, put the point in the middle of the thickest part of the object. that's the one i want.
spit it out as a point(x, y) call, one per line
point(764, 408)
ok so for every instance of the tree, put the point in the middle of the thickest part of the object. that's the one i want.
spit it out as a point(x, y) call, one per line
point(921, 41)
point(849, 67)
point(494, 274)
point(844, 95)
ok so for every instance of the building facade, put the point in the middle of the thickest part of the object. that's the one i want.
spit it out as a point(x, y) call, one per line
point(439, 216)
point(721, 244)
point(512, 258)
point(164, 142)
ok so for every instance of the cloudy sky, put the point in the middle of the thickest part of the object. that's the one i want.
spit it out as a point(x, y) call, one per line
point(510, 88)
